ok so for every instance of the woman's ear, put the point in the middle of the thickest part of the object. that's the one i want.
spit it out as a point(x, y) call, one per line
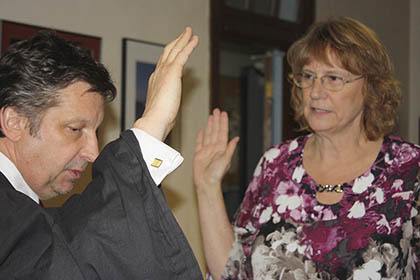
point(13, 125)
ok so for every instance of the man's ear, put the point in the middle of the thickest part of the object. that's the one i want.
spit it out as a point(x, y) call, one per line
point(13, 125)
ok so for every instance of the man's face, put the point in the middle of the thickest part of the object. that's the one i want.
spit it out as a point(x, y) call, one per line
point(52, 160)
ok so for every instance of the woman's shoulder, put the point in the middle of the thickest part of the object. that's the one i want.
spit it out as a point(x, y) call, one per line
point(288, 151)
point(289, 146)
point(397, 140)
point(399, 152)
point(395, 145)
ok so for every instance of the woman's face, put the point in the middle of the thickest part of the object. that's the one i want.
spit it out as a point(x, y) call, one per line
point(331, 112)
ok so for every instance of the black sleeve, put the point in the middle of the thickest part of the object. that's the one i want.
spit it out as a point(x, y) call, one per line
point(120, 227)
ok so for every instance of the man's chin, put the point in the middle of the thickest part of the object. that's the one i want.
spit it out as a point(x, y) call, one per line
point(53, 190)
point(63, 188)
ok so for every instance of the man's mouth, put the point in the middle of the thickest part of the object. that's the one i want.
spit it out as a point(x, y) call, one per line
point(76, 173)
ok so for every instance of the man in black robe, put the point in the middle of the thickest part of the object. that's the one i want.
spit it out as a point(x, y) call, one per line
point(52, 95)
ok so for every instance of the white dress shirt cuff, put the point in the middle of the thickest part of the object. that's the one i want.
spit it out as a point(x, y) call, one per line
point(160, 159)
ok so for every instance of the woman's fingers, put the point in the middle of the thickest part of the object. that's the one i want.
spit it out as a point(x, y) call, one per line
point(216, 125)
point(231, 148)
point(208, 131)
point(213, 139)
point(224, 128)
point(213, 154)
point(217, 129)
point(199, 140)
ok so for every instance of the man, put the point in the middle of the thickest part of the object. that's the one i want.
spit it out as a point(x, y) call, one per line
point(52, 96)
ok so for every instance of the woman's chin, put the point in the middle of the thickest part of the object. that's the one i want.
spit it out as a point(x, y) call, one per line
point(321, 127)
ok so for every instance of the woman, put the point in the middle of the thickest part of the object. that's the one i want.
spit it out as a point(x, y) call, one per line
point(338, 203)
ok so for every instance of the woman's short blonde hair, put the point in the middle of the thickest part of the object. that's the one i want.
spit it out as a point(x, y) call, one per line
point(360, 52)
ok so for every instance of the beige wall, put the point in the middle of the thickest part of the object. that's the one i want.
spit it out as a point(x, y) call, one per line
point(397, 24)
point(151, 20)
point(414, 107)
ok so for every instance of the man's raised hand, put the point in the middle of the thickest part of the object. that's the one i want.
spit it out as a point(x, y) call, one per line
point(165, 86)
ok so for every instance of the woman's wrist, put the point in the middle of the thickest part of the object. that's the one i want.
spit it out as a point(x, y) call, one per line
point(208, 189)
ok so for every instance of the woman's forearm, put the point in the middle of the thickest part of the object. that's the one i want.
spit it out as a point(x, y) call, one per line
point(216, 229)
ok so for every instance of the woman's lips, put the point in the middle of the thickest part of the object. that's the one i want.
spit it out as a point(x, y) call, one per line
point(319, 110)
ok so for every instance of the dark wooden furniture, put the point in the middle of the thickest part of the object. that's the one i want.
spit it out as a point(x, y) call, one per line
point(253, 28)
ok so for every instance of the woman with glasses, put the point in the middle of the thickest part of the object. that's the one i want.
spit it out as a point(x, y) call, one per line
point(338, 203)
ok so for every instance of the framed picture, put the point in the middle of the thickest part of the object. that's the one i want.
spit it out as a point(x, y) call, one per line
point(139, 61)
point(12, 32)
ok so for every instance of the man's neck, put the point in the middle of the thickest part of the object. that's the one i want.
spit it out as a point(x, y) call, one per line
point(13, 175)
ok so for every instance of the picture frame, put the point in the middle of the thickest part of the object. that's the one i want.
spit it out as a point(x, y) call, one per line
point(138, 63)
point(12, 32)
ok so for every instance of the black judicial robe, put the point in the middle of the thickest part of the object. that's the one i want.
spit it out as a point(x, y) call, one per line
point(120, 227)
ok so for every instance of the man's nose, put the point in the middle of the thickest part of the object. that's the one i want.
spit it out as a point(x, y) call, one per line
point(90, 150)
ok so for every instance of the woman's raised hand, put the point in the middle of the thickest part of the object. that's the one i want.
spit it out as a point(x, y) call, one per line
point(213, 152)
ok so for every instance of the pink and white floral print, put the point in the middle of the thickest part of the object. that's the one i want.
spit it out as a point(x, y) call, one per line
point(282, 232)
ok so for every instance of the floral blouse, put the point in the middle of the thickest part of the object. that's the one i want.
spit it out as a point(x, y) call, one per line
point(282, 232)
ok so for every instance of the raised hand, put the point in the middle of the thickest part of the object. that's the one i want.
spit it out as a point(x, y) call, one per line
point(164, 88)
point(213, 152)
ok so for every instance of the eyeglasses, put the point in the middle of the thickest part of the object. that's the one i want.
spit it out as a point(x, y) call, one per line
point(329, 82)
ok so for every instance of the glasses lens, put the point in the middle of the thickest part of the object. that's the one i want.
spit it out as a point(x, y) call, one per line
point(332, 82)
point(302, 80)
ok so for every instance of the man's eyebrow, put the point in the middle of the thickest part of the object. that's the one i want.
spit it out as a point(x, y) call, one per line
point(76, 119)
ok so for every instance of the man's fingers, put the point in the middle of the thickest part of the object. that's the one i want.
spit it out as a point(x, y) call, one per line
point(184, 54)
point(180, 44)
point(168, 48)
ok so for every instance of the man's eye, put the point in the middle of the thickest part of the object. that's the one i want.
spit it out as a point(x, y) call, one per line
point(74, 129)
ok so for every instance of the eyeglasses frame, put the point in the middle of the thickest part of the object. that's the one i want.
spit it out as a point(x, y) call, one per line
point(345, 81)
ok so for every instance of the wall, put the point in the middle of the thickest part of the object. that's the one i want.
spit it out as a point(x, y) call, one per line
point(156, 21)
point(397, 25)
point(414, 109)
point(160, 20)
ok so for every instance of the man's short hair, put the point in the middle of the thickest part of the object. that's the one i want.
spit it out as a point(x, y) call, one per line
point(34, 70)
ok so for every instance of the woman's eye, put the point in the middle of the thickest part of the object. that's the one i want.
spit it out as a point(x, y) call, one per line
point(307, 76)
point(334, 78)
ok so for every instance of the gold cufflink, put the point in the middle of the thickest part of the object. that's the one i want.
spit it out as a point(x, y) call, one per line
point(156, 162)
